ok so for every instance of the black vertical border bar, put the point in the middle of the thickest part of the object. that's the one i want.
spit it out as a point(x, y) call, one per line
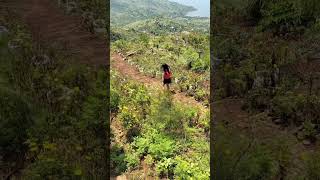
point(107, 148)
point(212, 119)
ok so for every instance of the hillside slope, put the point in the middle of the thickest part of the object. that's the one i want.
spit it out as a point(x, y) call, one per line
point(268, 67)
point(53, 66)
point(127, 11)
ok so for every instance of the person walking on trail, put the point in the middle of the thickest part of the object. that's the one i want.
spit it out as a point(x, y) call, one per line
point(166, 76)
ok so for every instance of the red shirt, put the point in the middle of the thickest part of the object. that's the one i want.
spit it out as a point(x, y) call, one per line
point(167, 75)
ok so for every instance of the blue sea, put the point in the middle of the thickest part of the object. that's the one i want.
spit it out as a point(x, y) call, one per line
point(202, 6)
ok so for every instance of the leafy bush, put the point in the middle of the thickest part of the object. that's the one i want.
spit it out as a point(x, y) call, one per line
point(76, 76)
point(162, 147)
point(133, 107)
point(114, 100)
point(256, 165)
point(117, 160)
point(165, 167)
point(240, 158)
point(296, 108)
point(309, 10)
point(158, 145)
point(15, 120)
point(253, 9)
point(149, 160)
point(258, 99)
point(50, 168)
point(309, 130)
point(184, 169)
point(93, 116)
point(281, 16)
point(132, 159)
point(285, 107)
point(312, 165)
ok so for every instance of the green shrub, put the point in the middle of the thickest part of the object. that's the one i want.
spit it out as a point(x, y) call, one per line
point(120, 45)
point(117, 160)
point(162, 147)
point(258, 99)
point(156, 144)
point(49, 168)
point(284, 107)
point(253, 9)
point(309, 130)
point(238, 157)
point(114, 100)
point(164, 115)
point(94, 115)
point(76, 76)
point(165, 167)
point(15, 120)
point(296, 108)
point(186, 169)
point(182, 170)
point(149, 160)
point(310, 10)
point(132, 159)
point(282, 153)
point(142, 145)
point(312, 161)
point(259, 164)
point(201, 95)
point(201, 65)
point(285, 16)
point(93, 109)
point(130, 116)
point(281, 16)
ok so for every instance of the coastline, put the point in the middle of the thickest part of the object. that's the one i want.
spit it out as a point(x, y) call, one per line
point(198, 10)
point(188, 8)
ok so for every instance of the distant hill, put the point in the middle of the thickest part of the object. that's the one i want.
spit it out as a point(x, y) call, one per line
point(164, 25)
point(124, 12)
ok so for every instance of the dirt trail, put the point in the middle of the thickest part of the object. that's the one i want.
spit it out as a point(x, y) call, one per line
point(131, 72)
point(49, 25)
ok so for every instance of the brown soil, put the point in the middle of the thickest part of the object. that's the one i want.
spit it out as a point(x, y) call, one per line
point(49, 25)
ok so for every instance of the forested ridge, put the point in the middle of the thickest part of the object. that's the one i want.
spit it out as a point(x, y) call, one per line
point(128, 11)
